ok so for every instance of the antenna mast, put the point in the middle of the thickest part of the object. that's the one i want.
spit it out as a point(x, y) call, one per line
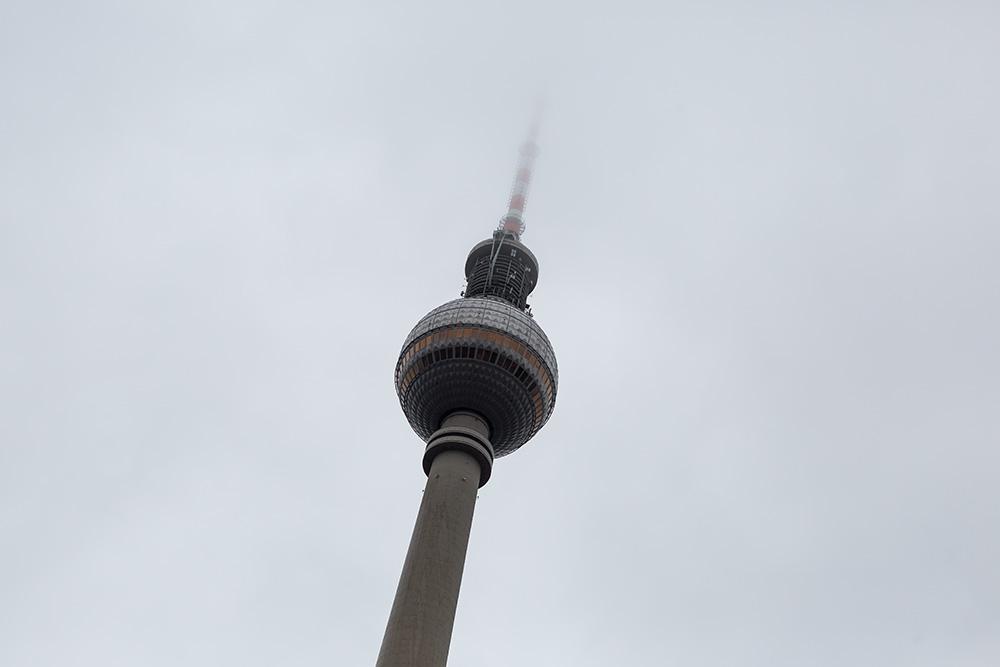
point(513, 222)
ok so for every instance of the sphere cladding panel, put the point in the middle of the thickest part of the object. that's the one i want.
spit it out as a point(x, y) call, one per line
point(492, 314)
point(478, 354)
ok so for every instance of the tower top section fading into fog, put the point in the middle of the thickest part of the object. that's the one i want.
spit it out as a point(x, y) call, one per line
point(484, 353)
point(513, 222)
point(503, 267)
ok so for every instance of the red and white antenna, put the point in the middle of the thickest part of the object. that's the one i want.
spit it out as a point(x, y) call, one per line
point(513, 222)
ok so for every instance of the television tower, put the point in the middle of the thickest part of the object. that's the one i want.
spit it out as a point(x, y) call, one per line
point(477, 379)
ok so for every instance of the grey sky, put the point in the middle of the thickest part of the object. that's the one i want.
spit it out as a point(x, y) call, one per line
point(768, 239)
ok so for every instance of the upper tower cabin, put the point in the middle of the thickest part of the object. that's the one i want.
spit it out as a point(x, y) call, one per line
point(501, 267)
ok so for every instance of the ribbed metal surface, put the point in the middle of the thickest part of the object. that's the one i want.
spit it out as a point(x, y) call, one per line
point(483, 355)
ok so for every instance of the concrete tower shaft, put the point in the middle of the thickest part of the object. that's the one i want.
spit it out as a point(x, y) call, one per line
point(418, 633)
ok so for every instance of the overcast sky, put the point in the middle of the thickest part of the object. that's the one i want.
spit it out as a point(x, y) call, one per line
point(769, 239)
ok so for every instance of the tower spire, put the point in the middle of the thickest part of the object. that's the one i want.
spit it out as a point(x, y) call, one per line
point(513, 222)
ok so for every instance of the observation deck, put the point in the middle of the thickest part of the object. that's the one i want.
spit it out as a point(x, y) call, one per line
point(501, 267)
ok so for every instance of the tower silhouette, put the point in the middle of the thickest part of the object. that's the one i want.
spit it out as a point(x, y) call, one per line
point(476, 378)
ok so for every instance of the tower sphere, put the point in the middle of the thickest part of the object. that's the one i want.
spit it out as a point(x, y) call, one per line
point(478, 354)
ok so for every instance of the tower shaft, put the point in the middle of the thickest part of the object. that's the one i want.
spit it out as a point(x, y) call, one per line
point(418, 633)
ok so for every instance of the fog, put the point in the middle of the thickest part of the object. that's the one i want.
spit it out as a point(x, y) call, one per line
point(768, 241)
